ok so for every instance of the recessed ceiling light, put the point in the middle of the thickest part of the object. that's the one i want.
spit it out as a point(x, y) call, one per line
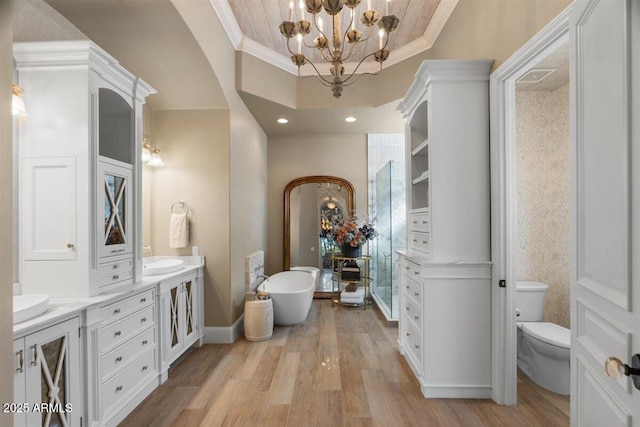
point(350, 119)
point(283, 121)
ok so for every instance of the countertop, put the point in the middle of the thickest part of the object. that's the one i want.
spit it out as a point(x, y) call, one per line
point(61, 309)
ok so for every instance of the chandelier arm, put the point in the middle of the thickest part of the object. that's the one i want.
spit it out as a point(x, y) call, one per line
point(344, 84)
point(319, 76)
point(315, 22)
point(353, 73)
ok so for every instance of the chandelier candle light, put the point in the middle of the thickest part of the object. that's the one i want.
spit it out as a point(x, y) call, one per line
point(333, 49)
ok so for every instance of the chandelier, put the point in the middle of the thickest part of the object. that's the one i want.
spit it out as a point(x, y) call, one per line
point(338, 46)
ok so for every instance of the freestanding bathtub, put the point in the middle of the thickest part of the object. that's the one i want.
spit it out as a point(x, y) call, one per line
point(314, 271)
point(292, 293)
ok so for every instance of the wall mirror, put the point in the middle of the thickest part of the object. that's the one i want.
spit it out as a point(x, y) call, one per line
point(309, 204)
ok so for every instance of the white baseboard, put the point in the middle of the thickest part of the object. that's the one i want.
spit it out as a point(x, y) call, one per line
point(224, 334)
point(456, 391)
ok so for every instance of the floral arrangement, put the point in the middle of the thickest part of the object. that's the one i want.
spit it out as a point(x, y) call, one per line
point(346, 231)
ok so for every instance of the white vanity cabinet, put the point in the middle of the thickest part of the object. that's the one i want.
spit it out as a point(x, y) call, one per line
point(79, 168)
point(445, 298)
point(47, 377)
point(122, 355)
point(180, 302)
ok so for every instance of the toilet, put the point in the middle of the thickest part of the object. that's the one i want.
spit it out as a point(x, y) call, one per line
point(543, 347)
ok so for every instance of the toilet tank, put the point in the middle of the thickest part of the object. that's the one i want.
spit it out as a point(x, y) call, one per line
point(530, 300)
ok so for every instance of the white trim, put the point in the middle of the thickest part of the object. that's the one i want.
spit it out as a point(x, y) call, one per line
point(224, 334)
point(241, 43)
point(228, 21)
point(503, 235)
point(456, 392)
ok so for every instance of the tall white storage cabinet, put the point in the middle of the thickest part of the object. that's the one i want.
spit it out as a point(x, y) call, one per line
point(445, 298)
point(79, 169)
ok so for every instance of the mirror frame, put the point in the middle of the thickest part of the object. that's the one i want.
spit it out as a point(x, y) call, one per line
point(314, 179)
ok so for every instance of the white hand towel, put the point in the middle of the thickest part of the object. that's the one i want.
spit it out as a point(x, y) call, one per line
point(179, 231)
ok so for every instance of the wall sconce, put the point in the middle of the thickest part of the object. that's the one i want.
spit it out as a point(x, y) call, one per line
point(150, 153)
point(18, 109)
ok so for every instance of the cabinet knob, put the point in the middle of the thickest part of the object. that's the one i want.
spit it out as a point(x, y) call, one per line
point(406, 286)
point(417, 346)
point(118, 359)
point(416, 318)
point(144, 319)
point(408, 334)
point(116, 311)
point(115, 277)
point(406, 308)
point(416, 273)
point(416, 294)
point(144, 368)
point(119, 388)
point(116, 266)
point(118, 333)
point(143, 300)
point(70, 245)
point(144, 342)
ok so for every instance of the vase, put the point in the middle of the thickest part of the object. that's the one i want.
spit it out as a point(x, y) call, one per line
point(351, 252)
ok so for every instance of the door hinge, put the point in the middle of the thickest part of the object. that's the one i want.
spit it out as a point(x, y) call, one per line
point(502, 283)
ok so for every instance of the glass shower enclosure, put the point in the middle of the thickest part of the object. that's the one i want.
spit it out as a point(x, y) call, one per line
point(391, 227)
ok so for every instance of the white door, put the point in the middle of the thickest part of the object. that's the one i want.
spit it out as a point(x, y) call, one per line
point(605, 294)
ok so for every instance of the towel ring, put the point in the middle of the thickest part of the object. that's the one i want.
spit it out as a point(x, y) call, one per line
point(182, 205)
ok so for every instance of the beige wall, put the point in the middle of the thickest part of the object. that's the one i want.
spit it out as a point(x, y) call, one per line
point(247, 156)
point(542, 123)
point(195, 149)
point(493, 29)
point(344, 156)
point(6, 209)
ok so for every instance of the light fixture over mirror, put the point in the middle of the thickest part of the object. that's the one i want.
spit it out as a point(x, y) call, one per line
point(150, 153)
point(18, 109)
point(331, 46)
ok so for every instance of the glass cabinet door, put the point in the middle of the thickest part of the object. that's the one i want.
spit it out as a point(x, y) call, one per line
point(114, 219)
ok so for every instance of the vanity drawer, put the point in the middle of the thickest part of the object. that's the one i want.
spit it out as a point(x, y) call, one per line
point(124, 307)
point(413, 291)
point(123, 355)
point(120, 386)
point(413, 347)
point(115, 277)
point(413, 313)
point(411, 269)
point(420, 241)
point(123, 329)
point(420, 221)
point(115, 267)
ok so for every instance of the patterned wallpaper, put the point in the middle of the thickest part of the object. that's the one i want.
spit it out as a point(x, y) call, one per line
point(543, 195)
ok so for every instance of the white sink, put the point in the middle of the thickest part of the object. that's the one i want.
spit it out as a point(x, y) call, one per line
point(27, 307)
point(164, 266)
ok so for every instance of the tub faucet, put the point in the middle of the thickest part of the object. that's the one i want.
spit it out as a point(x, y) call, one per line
point(262, 276)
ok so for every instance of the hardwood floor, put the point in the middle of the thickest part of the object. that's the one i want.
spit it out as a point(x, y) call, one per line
point(339, 368)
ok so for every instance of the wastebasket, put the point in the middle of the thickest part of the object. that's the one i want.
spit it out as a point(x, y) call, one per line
point(258, 319)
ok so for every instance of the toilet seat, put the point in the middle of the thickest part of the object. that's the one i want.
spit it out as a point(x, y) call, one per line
point(549, 333)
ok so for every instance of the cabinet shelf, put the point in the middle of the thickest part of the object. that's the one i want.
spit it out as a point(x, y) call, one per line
point(421, 178)
point(421, 150)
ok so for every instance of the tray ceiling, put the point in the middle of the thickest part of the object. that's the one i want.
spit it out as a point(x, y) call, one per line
point(253, 27)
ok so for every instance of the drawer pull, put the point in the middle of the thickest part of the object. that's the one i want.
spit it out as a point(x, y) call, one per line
point(408, 334)
point(144, 368)
point(119, 388)
point(406, 308)
point(144, 319)
point(416, 273)
point(143, 300)
point(417, 346)
point(415, 222)
point(116, 266)
point(144, 342)
point(118, 359)
point(118, 333)
point(115, 277)
point(406, 268)
point(34, 362)
point(406, 286)
point(115, 251)
point(424, 242)
point(424, 221)
point(416, 317)
point(116, 311)
point(416, 294)
point(415, 240)
point(20, 355)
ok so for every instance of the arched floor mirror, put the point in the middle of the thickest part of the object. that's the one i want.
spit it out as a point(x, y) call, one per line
point(309, 204)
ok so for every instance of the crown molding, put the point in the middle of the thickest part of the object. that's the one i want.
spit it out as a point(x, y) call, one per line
point(244, 44)
point(228, 20)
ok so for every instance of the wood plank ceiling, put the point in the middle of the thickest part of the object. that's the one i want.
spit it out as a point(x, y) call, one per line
point(259, 20)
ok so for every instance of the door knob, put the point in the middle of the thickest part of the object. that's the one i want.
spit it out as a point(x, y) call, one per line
point(615, 368)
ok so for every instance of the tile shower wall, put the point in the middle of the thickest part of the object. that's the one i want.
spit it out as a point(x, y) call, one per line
point(543, 195)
